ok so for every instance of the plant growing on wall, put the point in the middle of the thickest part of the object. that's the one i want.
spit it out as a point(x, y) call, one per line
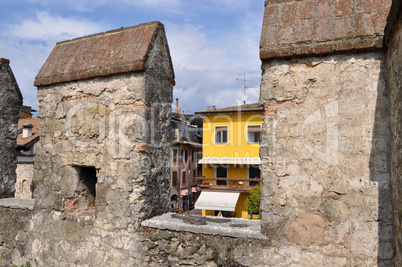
point(253, 202)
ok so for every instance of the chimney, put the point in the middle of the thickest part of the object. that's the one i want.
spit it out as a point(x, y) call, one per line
point(27, 130)
point(177, 105)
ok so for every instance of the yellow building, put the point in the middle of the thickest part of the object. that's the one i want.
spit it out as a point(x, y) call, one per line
point(230, 162)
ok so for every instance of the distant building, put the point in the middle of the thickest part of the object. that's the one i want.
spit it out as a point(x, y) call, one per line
point(26, 112)
point(185, 149)
point(230, 163)
point(27, 141)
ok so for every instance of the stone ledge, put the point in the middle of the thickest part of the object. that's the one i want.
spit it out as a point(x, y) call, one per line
point(233, 227)
point(17, 203)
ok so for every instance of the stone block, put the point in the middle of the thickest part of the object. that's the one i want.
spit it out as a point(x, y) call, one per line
point(305, 31)
point(324, 29)
point(324, 9)
point(307, 229)
point(271, 15)
point(364, 24)
point(363, 6)
point(343, 8)
point(286, 33)
point(289, 12)
point(344, 27)
point(307, 9)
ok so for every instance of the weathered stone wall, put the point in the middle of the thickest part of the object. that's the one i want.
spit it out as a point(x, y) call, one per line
point(394, 44)
point(13, 241)
point(169, 248)
point(10, 102)
point(114, 124)
point(326, 159)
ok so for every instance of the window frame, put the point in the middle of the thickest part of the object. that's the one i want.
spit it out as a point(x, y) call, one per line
point(184, 155)
point(247, 134)
point(227, 134)
point(248, 175)
point(174, 178)
point(183, 177)
point(216, 173)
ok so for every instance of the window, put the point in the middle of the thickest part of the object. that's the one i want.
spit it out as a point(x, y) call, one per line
point(253, 133)
point(253, 173)
point(174, 178)
point(221, 134)
point(221, 171)
point(194, 175)
point(85, 193)
point(184, 156)
point(183, 177)
point(193, 155)
point(174, 157)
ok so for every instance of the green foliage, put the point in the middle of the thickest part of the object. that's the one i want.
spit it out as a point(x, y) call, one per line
point(253, 201)
point(27, 264)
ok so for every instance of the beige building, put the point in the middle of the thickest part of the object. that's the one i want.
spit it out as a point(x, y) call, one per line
point(27, 142)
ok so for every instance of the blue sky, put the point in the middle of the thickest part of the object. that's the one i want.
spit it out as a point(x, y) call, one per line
point(211, 42)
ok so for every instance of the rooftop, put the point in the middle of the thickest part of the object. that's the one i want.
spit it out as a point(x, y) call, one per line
point(241, 108)
point(35, 131)
point(301, 28)
point(113, 52)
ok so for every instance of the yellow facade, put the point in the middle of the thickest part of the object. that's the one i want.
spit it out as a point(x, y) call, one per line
point(237, 146)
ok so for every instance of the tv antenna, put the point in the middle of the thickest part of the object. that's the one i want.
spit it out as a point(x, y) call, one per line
point(244, 97)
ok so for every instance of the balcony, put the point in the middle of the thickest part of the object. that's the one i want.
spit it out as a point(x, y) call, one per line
point(229, 186)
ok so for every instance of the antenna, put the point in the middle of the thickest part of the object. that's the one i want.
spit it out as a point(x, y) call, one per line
point(244, 97)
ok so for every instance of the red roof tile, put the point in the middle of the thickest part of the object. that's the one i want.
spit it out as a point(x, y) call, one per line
point(103, 54)
point(35, 130)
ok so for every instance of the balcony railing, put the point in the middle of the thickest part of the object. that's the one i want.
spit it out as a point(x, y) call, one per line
point(243, 187)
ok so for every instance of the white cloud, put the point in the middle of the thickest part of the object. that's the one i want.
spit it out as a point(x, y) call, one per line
point(30, 42)
point(46, 27)
point(207, 67)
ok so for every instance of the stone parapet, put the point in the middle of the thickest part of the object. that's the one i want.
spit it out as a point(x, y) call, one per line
point(317, 27)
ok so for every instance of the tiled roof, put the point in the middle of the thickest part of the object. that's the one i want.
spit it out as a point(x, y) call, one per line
point(35, 131)
point(119, 51)
point(315, 27)
point(241, 108)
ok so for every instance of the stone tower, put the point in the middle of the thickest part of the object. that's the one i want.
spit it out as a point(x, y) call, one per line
point(101, 167)
point(326, 147)
point(10, 103)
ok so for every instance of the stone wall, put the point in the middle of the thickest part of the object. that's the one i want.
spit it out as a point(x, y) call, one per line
point(394, 41)
point(13, 241)
point(10, 102)
point(101, 165)
point(326, 158)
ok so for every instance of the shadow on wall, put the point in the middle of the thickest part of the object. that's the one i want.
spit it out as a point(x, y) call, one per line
point(380, 170)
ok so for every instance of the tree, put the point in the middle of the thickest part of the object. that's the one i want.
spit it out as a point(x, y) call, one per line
point(253, 201)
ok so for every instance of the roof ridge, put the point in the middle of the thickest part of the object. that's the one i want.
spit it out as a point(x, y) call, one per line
point(114, 31)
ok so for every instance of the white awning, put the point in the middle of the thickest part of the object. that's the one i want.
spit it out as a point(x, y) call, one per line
point(230, 160)
point(217, 201)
